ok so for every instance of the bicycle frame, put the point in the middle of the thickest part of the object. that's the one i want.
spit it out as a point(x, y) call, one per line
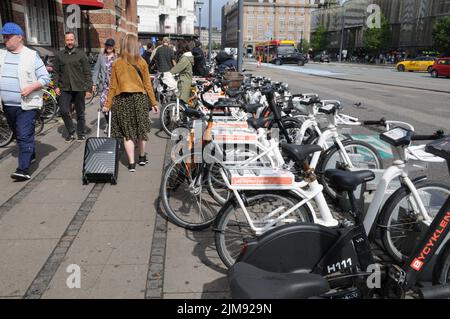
point(314, 192)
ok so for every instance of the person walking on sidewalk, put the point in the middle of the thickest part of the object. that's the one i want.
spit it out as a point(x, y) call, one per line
point(184, 69)
point(102, 74)
point(165, 60)
point(22, 75)
point(130, 94)
point(73, 79)
point(199, 68)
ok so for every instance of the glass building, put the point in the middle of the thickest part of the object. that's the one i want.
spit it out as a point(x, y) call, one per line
point(411, 23)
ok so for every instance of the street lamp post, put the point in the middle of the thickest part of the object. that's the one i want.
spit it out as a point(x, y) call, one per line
point(342, 33)
point(210, 31)
point(199, 4)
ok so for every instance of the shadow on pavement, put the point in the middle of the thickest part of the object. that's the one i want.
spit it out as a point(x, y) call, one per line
point(42, 150)
point(216, 289)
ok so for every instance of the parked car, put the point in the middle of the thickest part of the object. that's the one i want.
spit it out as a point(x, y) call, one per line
point(441, 67)
point(322, 57)
point(289, 57)
point(421, 63)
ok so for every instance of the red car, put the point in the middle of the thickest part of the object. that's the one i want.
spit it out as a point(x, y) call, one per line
point(441, 67)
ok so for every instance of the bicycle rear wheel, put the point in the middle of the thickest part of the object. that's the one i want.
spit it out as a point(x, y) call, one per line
point(232, 227)
point(184, 194)
point(39, 123)
point(6, 134)
point(401, 222)
point(49, 107)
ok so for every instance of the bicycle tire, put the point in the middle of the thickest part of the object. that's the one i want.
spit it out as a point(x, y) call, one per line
point(6, 134)
point(49, 107)
point(166, 121)
point(88, 101)
point(441, 274)
point(401, 250)
point(222, 225)
point(184, 212)
point(376, 162)
point(39, 123)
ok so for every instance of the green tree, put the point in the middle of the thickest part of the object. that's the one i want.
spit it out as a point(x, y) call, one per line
point(377, 39)
point(318, 40)
point(303, 46)
point(441, 35)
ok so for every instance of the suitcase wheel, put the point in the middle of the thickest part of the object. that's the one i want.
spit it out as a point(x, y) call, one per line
point(85, 181)
point(113, 181)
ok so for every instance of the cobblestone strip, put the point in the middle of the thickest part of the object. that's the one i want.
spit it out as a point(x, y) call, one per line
point(31, 185)
point(56, 258)
point(155, 275)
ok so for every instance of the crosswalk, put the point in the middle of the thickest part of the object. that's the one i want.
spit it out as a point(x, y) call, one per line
point(299, 69)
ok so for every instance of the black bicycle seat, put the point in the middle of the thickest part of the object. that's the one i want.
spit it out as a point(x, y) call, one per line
point(310, 100)
point(233, 93)
point(249, 282)
point(347, 181)
point(300, 153)
point(193, 113)
point(252, 108)
point(261, 122)
point(440, 148)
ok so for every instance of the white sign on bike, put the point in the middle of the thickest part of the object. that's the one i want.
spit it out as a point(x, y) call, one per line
point(263, 177)
point(212, 98)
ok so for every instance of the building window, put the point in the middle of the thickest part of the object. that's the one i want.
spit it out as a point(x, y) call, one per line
point(38, 22)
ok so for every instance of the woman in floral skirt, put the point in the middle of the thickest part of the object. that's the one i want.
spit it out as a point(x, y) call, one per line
point(130, 94)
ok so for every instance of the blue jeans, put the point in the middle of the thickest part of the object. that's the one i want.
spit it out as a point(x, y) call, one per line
point(23, 124)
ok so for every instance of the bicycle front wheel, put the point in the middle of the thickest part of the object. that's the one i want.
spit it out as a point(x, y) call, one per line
point(6, 134)
point(168, 122)
point(401, 223)
point(233, 229)
point(185, 196)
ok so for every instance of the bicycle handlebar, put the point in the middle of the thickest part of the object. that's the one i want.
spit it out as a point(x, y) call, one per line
point(381, 122)
point(437, 135)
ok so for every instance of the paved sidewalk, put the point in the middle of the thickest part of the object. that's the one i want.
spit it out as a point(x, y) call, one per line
point(117, 235)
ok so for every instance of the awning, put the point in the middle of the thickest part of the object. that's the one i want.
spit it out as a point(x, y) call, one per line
point(86, 4)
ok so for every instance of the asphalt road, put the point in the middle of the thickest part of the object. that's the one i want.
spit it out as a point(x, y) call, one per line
point(381, 91)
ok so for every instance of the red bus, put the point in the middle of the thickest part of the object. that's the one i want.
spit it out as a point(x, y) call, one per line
point(271, 49)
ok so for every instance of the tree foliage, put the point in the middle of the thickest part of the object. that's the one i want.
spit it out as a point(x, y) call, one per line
point(441, 35)
point(318, 40)
point(377, 39)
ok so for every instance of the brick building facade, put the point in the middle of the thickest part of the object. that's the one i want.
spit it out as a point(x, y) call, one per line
point(93, 21)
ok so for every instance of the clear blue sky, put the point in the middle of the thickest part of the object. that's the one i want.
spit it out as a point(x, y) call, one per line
point(217, 12)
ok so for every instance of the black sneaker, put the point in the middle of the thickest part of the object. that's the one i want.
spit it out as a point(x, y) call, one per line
point(70, 138)
point(132, 167)
point(20, 176)
point(81, 138)
point(143, 160)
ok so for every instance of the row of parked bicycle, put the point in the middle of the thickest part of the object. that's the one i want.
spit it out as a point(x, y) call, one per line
point(286, 191)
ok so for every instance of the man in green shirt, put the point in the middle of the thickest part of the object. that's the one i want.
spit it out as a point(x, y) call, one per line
point(72, 79)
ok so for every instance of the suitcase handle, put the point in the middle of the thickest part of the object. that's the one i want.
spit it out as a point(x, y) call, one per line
point(109, 124)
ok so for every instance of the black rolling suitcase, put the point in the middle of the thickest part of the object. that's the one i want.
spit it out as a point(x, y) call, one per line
point(101, 158)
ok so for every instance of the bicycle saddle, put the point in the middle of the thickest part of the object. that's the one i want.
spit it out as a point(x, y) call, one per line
point(226, 102)
point(193, 113)
point(329, 108)
point(347, 181)
point(233, 93)
point(310, 100)
point(261, 122)
point(252, 108)
point(249, 282)
point(300, 152)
